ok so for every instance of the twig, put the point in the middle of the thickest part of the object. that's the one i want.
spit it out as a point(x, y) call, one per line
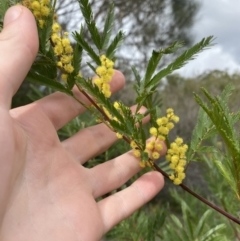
point(213, 206)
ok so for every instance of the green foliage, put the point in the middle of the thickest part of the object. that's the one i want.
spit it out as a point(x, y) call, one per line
point(146, 224)
point(76, 63)
point(192, 227)
point(91, 25)
point(114, 45)
point(224, 121)
point(38, 78)
point(203, 130)
point(181, 60)
point(107, 31)
point(146, 88)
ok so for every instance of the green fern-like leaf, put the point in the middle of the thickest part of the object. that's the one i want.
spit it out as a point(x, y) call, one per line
point(107, 31)
point(117, 41)
point(43, 80)
point(156, 57)
point(76, 63)
point(80, 40)
point(88, 17)
point(203, 130)
point(188, 55)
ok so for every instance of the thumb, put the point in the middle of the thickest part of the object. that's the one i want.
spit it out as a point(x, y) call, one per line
point(18, 49)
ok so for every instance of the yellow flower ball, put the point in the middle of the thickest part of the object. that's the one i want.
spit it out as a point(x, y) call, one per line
point(158, 146)
point(177, 181)
point(175, 118)
point(46, 2)
point(68, 49)
point(116, 105)
point(68, 68)
point(169, 111)
point(142, 164)
point(150, 145)
point(179, 169)
point(35, 5)
point(153, 131)
point(136, 153)
point(175, 159)
point(101, 70)
point(64, 77)
point(170, 125)
point(55, 38)
point(182, 162)
point(98, 82)
point(155, 155)
point(181, 175)
point(119, 136)
point(45, 11)
point(56, 27)
point(65, 42)
point(179, 140)
point(58, 49)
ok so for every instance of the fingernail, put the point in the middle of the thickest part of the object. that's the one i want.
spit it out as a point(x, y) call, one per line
point(12, 14)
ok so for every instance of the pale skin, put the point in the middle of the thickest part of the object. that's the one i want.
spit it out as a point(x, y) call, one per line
point(45, 192)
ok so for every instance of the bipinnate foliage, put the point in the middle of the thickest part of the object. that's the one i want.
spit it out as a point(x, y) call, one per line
point(215, 118)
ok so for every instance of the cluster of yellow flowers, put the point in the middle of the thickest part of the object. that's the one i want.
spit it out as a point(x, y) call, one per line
point(62, 46)
point(176, 155)
point(40, 9)
point(165, 124)
point(62, 49)
point(105, 73)
point(136, 151)
point(153, 148)
point(159, 133)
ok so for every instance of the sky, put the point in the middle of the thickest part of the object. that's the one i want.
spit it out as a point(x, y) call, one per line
point(220, 18)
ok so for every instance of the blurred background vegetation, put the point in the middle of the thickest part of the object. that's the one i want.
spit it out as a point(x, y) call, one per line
point(173, 215)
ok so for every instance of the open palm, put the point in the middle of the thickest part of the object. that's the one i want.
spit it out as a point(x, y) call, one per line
point(45, 192)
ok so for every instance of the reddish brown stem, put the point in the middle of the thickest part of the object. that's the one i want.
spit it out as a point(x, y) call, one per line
point(213, 206)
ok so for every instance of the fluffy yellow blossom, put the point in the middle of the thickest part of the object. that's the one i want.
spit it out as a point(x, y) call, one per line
point(65, 42)
point(150, 145)
point(105, 73)
point(155, 155)
point(176, 155)
point(177, 181)
point(68, 68)
point(153, 131)
point(36, 5)
point(56, 27)
point(116, 105)
point(158, 146)
point(119, 136)
point(68, 49)
point(62, 49)
point(136, 153)
point(64, 77)
point(58, 49)
point(40, 8)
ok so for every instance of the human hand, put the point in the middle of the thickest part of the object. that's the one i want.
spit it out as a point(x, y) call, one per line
point(45, 192)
